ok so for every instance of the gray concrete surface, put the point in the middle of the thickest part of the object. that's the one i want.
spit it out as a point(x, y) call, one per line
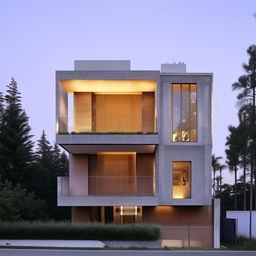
point(133, 244)
point(39, 252)
point(53, 243)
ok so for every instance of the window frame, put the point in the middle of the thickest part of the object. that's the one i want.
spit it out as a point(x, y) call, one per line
point(190, 179)
point(180, 117)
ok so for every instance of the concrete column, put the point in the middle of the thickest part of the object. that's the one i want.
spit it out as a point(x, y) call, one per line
point(216, 223)
point(78, 175)
point(62, 110)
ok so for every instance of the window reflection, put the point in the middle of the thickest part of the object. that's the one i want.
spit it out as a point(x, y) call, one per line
point(184, 113)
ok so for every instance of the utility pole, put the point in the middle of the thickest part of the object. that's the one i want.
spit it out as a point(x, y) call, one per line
point(250, 221)
point(251, 187)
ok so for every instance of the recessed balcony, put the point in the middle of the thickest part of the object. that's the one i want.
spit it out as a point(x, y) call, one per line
point(107, 190)
point(106, 106)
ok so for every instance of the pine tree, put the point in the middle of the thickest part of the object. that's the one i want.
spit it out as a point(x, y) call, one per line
point(60, 161)
point(1, 106)
point(15, 139)
point(48, 165)
point(41, 176)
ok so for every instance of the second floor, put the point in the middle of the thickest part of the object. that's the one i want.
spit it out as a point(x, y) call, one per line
point(147, 107)
point(163, 176)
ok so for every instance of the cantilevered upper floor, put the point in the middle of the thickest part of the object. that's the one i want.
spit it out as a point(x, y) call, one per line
point(100, 102)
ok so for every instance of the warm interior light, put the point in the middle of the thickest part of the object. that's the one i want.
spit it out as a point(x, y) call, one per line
point(109, 86)
point(116, 153)
point(128, 210)
point(57, 127)
point(181, 180)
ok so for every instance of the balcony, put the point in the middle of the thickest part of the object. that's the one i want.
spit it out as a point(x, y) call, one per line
point(75, 140)
point(106, 106)
point(107, 190)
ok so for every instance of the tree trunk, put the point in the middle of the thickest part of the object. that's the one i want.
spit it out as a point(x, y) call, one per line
point(251, 198)
point(213, 182)
point(254, 191)
point(244, 185)
point(235, 187)
point(220, 183)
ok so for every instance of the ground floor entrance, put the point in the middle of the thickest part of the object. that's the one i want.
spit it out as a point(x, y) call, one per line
point(181, 226)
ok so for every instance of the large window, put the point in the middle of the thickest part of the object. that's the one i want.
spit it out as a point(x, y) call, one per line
point(181, 176)
point(184, 112)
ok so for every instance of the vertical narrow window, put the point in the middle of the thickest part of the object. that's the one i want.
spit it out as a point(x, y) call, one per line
point(193, 114)
point(176, 112)
point(181, 180)
point(184, 112)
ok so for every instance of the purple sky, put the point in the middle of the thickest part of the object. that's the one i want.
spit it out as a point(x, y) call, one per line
point(39, 37)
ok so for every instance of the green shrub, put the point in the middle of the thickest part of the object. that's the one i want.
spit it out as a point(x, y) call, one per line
point(242, 240)
point(17, 204)
point(88, 231)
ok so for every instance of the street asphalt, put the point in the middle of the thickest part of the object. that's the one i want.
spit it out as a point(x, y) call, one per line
point(48, 252)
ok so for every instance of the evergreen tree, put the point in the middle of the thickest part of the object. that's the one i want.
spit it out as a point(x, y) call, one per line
point(48, 165)
point(246, 84)
point(60, 160)
point(41, 176)
point(233, 152)
point(1, 106)
point(1, 117)
point(17, 204)
point(15, 139)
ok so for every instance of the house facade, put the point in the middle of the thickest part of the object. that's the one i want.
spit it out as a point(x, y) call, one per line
point(139, 145)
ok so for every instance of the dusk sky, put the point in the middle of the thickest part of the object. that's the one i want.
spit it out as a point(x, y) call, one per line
point(39, 37)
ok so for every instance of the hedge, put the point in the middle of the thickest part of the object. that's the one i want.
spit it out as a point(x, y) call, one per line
point(88, 231)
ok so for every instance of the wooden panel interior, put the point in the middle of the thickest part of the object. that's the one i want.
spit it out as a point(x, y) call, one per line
point(118, 113)
point(112, 174)
point(80, 214)
point(145, 174)
point(82, 111)
point(148, 111)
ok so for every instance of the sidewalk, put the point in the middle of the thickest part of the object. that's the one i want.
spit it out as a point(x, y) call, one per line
point(53, 243)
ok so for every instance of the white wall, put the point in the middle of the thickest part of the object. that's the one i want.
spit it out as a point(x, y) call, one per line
point(243, 222)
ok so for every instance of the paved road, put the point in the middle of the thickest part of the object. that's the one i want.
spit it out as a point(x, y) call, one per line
point(45, 252)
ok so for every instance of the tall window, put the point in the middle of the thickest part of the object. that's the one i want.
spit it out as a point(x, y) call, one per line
point(184, 112)
point(181, 176)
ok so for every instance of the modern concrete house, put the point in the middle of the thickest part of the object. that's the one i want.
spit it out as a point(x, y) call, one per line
point(139, 145)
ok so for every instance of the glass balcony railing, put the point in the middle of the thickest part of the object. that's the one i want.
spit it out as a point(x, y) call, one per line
point(106, 124)
point(107, 186)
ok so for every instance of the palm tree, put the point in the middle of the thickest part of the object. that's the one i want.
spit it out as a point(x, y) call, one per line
point(232, 153)
point(218, 182)
point(247, 84)
point(215, 167)
point(247, 97)
point(221, 167)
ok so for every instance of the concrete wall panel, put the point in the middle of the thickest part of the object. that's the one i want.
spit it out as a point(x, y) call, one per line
point(78, 175)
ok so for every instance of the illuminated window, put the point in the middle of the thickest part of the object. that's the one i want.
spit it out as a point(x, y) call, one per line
point(181, 172)
point(128, 214)
point(184, 112)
